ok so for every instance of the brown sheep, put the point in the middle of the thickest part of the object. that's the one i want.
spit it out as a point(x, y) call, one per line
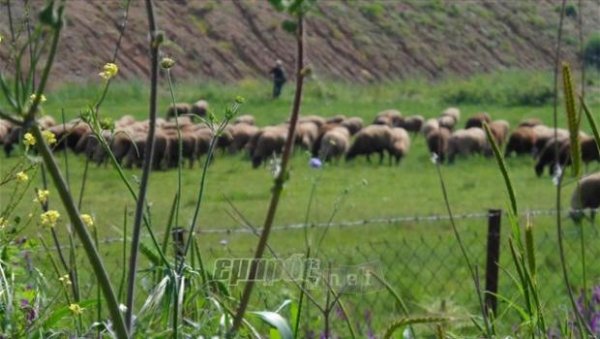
point(336, 119)
point(270, 141)
point(499, 129)
point(5, 127)
point(241, 133)
point(245, 119)
point(586, 195)
point(306, 134)
point(178, 109)
point(199, 108)
point(544, 133)
point(188, 147)
point(315, 151)
point(452, 112)
point(521, 141)
point(46, 122)
point(12, 138)
point(400, 144)
point(429, 126)
point(371, 139)
point(553, 150)
point(137, 155)
point(390, 117)
point(353, 124)
point(334, 144)
point(530, 122)
point(412, 123)
point(437, 142)
point(125, 121)
point(477, 120)
point(467, 141)
point(317, 120)
point(447, 121)
point(589, 150)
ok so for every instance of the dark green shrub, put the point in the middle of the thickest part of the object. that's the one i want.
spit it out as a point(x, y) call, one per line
point(591, 51)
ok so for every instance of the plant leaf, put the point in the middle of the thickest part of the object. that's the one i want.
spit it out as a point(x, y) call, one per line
point(276, 320)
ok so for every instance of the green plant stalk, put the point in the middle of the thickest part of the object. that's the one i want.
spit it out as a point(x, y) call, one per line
point(123, 254)
point(302, 292)
point(279, 181)
point(148, 160)
point(396, 296)
point(592, 123)
point(503, 169)
point(84, 236)
point(572, 119)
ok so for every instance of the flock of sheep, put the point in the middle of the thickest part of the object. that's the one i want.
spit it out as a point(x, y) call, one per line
point(329, 139)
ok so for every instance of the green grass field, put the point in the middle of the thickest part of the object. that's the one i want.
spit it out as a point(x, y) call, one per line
point(419, 258)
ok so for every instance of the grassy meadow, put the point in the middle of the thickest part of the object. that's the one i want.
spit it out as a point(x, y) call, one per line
point(419, 258)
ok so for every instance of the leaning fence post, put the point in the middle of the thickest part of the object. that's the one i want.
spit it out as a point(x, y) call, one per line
point(493, 260)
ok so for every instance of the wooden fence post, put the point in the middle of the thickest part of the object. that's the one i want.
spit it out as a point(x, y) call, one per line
point(493, 260)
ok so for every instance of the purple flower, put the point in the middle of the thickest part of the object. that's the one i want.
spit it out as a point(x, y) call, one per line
point(315, 163)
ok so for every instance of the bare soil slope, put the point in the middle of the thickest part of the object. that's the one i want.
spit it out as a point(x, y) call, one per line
point(229, 40)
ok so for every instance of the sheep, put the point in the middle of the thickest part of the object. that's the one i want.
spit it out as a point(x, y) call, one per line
point(317, 120)
point(5, 127)
point(412, 123)
point(545, 133)
point(336, 119)
point(589, 150)
point(269, 141)
point(137, 152)
point(437, 142)
point(199, 108)
point(241, 133)
point(429, 126)
point(521, 141)
point(468, 141)
point(10, 139)
point(306, 134)
point(530, 122)
point(452, 112)
point(315, 151)
point(400, 144)
point(499, 129)
point(178, 109)
point(447, 121)
point(124, 121)
point(353, 124)
point(244, 119)
point(371, 139)
point(477, 120)
point(46, 122)
point(553, 151)
point(586, 195)
point(188, 147)
point(334, 144)
point(390, 117)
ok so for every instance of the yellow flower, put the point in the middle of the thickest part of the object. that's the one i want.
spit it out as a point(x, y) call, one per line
point(87, 220)
point(49, 218)
point(65, 279)
point(49, 137)
point(76, 309)
point(29, 139)
point(109, 71)
point(3, 223)
point(167, 63)
point(42, 98)
point(42, 196)
point(22, 177)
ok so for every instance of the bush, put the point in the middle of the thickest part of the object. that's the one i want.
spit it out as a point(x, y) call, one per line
point(591, 51)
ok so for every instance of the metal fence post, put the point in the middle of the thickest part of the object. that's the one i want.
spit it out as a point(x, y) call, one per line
point(493, 259)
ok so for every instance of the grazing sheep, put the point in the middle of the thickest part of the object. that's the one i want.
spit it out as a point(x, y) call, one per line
point(137, 154)
point(121, 142)
point(188, 147)
point(124, 121)
point(178, 109)
point(530, 122)
point(390, 117)
point(545, 133)
point(199, 108)
point(412, 123)
point(400, 144)
point(521, 141)
point(244, 119)
point(12, 138)
point(447, 121)
point(315, 151)
point(5, 127)
point(586, 195)
point(467, 141)
point(429, 126)
point(437, 142)
point(336, 119)
point(46, 122)
point(589, 150)
point(270, 141)
point(452, 112)
point(553, 151)
point(306, 134)
point(334, 144)
point(317, 120)
point(499, 129)
point(371, 139)
point(353, 124)
point(477, 120)
point(241, 133)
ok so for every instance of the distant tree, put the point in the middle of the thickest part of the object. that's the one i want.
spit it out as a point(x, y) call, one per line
point(591, 51)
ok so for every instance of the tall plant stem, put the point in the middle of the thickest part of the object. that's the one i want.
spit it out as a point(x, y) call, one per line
point(148, 160)
point(84, 236)
point(279, 181)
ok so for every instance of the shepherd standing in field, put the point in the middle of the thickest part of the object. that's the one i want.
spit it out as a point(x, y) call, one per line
point(278, 78)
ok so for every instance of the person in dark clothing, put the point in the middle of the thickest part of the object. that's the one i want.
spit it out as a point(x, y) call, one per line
point(278, 78)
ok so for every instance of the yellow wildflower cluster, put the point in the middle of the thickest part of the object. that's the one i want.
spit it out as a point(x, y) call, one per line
point(42, 196)
point(109, 71)
point(49, 218)
point(42, 98)
point(76, 309)
point(87, 220)
point(65, 279)
point(49, 137)
point(3, 223)
point(29, 140)
point(21, 177)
